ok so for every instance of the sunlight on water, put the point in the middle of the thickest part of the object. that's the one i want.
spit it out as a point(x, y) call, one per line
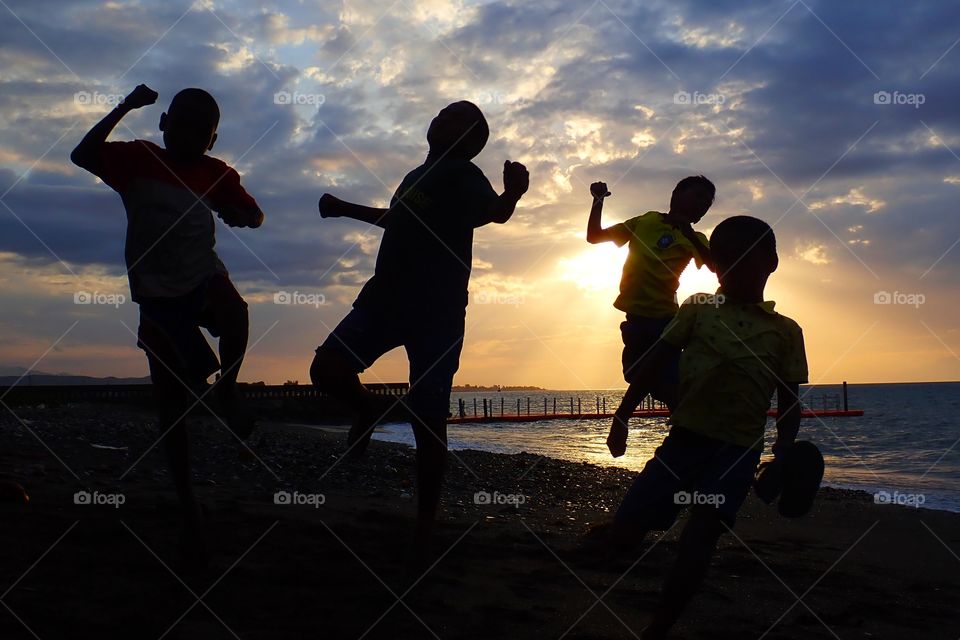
point(904, 443)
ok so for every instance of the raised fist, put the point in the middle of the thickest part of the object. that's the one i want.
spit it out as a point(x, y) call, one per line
point(141, 96)
point(516, 178)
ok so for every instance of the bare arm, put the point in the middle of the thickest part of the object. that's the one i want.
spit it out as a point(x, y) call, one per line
point(87, 154)
point(788, 415)
point(516, 181)
point(333, 207)
point(596, 233)
point(701, 248)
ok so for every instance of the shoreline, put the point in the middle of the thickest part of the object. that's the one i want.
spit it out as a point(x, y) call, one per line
point(508, 566)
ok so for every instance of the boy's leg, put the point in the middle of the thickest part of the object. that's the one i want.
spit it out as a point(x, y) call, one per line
point(639, 336)
point(434, 353)
point(651, 502)
point(226, 316)
point(697, 544)
point(355, 344)
point(174, 399)
point(725, 478)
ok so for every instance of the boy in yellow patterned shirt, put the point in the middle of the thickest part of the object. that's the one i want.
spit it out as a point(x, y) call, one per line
point(736, 351)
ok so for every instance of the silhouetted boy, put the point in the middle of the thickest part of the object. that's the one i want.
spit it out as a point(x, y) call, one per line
point(417, 296)
point(175, 276)
point(661, 245)
point(736, 351)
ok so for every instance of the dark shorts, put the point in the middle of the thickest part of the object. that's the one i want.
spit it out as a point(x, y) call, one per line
point(169, 332)
point(433, 346)
point(689, 469)
point(639, 335)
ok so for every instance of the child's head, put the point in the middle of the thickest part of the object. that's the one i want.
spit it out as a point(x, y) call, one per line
point(692, 198)
point(190, 124)
point(745, 252)
point(459, 130)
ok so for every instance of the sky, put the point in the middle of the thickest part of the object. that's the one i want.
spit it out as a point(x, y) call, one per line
point(833, 121)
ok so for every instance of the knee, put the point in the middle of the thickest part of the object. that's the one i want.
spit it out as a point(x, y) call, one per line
point(326, 369)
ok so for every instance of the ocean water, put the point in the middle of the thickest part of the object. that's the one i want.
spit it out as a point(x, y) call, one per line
point(904, 449)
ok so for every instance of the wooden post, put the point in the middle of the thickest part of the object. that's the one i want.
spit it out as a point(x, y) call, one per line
point(846, 407)
point(528, 405)
point(501, 405)
point(518, 406)
point(571, 405)
point(554, 405)
point(579, 408)
point(474, 407)
point(544, 405)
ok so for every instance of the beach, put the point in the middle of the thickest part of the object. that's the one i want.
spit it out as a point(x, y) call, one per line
point(307, 544)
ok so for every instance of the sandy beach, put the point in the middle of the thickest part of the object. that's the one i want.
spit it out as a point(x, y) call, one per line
point(332, 562)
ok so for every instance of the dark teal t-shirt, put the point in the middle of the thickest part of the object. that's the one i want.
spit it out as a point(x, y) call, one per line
point(427, 247)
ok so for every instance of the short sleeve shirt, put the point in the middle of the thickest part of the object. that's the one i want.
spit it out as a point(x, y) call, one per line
point(658, 254)
point(733, 356)
point(427, 247)
point(170, 228)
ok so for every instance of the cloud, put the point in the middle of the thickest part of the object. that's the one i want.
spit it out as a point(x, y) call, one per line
point(786, 119)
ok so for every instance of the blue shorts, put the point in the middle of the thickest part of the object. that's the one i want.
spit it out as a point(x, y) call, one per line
point(640, 335)
point(689, 469)
point(433, 345)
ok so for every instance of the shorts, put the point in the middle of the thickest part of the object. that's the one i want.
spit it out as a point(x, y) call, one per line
point(433, 345)
point(169, 332)
point(640, 335)
point(689, 469)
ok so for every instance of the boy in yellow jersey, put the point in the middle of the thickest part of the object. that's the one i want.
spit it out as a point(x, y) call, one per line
point(736, 351)
point(661, 246)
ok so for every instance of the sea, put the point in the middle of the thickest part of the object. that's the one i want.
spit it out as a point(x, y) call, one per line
point(904, 450)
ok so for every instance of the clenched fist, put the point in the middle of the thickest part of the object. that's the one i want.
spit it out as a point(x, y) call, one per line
point(516, 179)
point(141, 96)
point(599, 190)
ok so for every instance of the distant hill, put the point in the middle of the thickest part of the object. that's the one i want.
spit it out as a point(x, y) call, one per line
point(15, 375)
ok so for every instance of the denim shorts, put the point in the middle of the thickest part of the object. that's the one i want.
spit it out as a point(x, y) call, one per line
point(689, 469)
point(433, 344)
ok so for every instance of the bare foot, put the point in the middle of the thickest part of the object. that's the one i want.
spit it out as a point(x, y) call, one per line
point(617, 440)
point(358, 438)
point(234, 408)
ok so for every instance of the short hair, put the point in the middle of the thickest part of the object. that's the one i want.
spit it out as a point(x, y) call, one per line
point(198, 104)
point(699, 183)
point(739, 236)
point(477, 135)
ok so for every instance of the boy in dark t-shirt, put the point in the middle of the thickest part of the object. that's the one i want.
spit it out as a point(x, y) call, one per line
point(417, 296)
